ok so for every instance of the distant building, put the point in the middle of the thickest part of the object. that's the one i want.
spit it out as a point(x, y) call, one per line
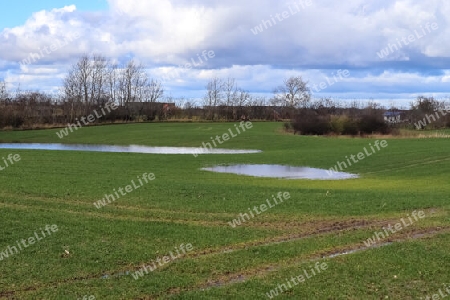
point(392, 117)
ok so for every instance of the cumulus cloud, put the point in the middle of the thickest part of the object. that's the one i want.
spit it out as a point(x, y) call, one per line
point(309, 37)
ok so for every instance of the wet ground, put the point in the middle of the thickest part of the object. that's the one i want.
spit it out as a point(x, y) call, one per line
point(281, 171)
point(126, 149)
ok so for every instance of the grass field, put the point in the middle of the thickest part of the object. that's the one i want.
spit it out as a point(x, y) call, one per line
point(96, 252)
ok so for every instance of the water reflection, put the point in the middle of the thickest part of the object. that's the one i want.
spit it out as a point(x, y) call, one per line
point(129, 149)
point(280, 171)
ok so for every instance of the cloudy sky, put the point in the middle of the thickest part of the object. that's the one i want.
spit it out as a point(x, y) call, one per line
point(386, 50)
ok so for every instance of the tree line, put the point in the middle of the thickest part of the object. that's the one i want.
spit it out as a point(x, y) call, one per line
point(94, 80)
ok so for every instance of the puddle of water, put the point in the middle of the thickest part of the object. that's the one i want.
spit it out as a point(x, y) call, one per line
point(280, 171)
point(128, 149)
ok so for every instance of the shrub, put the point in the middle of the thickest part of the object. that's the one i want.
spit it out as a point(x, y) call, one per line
point(287, 126)
point(337, 124)
point(350, 127)
point(310, 123)
point(369, 124)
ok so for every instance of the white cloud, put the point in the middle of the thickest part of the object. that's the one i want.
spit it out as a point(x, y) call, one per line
point(163, 34)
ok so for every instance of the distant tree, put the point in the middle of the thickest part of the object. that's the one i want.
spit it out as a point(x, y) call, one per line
point(85, 81)
point(432, 110)
point(99, 80)
point(4, 94)
point(426, 105)
point(153, 91)
point(213, 96)
point(230, 91)
point(293, 93)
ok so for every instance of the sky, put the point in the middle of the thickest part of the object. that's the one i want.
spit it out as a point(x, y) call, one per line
point(390, 51)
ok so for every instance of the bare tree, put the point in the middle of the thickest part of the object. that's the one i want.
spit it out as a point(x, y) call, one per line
point(153, 91)
point(242, 98)
point(72, 91)
point(112, 77)
point(4, 94)
point(82, 74)
point(130, 79)
point(214, 96)
point(230, 94)
point(99, 80)
point(257, 101)
point(293, 93)
point(86, 84)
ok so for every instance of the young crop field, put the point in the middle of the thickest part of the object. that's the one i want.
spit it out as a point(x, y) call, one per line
point(181, 232)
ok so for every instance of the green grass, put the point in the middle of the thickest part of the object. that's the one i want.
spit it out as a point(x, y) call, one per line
point(186, 205)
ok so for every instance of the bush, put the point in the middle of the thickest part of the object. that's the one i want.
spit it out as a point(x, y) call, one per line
point(287, 126)
point(337, 124)
point(343, 125)
point(369, 124)
point(351, 127)
point(310, 123)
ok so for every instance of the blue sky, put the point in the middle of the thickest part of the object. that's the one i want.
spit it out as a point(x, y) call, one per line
point(15, 13)
point(392, 50)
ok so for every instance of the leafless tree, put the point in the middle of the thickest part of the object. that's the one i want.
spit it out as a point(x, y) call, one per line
point(3, 91)
point(130, 78)
point(99, 80)
point(242, 98)
point(112, 77)
point(230, 91)
point(153, 91)
point(293, 93)
point(83, 73)
point(214, 95)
